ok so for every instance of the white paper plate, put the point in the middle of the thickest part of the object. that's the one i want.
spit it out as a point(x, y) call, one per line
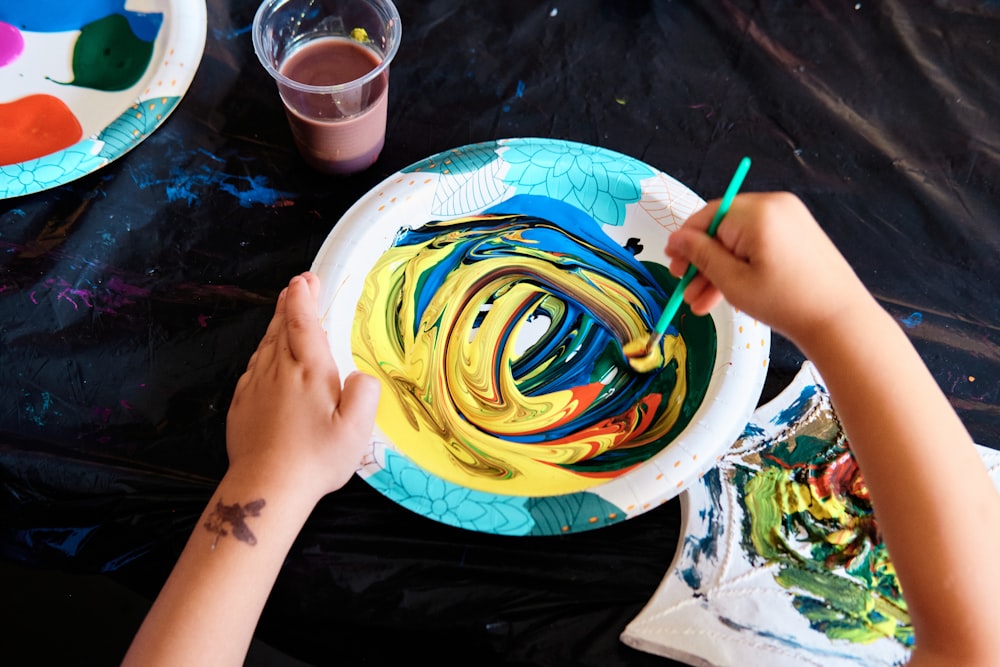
point(119, 67)
point(629, 205)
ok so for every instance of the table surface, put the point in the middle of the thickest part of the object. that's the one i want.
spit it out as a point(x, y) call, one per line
point(132, 298)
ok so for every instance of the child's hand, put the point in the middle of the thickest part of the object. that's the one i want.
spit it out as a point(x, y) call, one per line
point(291, 422)
point(771, 260)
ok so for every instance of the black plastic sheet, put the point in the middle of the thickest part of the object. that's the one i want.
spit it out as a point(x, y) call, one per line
point(131, 299)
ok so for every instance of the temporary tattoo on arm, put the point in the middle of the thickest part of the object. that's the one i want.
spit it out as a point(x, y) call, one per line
point(234, 515)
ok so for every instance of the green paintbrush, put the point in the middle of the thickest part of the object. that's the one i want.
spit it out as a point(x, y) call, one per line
point(670, 310)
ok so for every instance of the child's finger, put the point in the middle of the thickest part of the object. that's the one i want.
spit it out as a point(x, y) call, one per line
point(253, 361)
point(678, 266)
point(701, 295)
point(703, 298)
point(305, 336)
point(314, 285)
point(702, 218)
point(266, 350)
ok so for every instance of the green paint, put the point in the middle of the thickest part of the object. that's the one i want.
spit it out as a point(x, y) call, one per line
point(802, 450)
point(108, 56)
point(836, 624)
point(808, 512)
point(702, 341)
point(761, 496)
point(839, 593)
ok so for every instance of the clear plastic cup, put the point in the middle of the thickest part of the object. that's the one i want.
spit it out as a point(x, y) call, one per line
point(330, 59)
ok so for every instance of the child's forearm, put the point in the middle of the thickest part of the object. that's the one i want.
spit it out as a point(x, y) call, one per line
point(937, 507)
point(294, 433)
point(208, 609)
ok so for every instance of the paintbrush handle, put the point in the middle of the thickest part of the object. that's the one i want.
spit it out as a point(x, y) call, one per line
point(670, 310)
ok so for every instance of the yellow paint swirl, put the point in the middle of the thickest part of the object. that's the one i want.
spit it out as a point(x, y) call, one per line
point(497, 339)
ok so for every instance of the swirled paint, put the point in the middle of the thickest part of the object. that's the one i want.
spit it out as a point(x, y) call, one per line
point(498, 340)
point(810, 516)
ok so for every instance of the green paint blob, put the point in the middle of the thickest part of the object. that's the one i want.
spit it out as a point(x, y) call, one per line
point(108, 56)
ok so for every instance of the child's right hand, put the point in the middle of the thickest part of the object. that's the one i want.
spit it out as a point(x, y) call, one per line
point(770, 259)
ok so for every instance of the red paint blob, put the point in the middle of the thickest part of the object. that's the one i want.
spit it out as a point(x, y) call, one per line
point(34, 126)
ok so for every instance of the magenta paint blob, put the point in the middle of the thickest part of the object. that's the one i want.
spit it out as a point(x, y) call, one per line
point(11, 44)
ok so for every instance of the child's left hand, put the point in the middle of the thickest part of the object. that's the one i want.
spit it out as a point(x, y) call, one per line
point(291, 420)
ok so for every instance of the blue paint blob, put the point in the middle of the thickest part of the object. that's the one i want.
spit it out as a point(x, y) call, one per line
point(798, 408)
point(66, 540)
point(258, 193)
point(914, 320)
point(691, 577)
point(67, 15)
point(232, 33)
point(706, 547)
point(37, 414)
point(189, 185)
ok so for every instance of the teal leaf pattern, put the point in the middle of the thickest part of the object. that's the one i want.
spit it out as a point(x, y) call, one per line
point(415, 489)
point(470, 179)
point(51, 170)
point(86, 156)
point(573, 513)
point(123, 133)
point(595, 180)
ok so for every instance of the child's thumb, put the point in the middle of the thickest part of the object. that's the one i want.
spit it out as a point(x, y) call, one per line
point(359, 399)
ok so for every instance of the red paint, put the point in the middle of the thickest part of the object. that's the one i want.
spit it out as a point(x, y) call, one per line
point(34, 126)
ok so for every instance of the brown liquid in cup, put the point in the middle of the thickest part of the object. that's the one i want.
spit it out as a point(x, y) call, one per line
point(341, 132)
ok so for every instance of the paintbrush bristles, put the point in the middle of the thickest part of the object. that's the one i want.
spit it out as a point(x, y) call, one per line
point(645, 356)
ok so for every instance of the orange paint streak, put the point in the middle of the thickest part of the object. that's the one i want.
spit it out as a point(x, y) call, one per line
point(583, 397)
point(35, 126)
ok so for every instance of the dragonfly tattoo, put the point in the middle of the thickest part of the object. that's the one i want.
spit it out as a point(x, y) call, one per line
point(235, 516)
